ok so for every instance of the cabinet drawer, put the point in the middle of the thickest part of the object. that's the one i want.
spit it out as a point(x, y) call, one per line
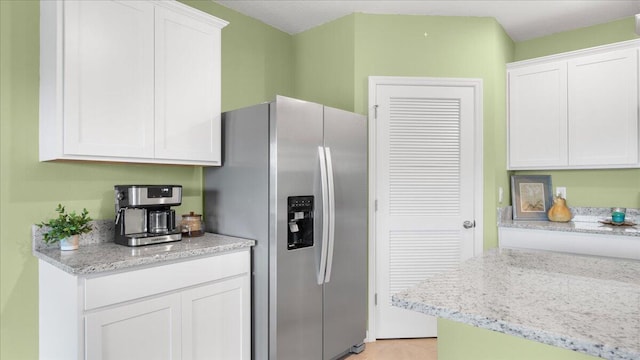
point(130, 285)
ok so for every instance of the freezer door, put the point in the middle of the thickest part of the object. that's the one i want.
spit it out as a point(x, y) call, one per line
point(345, 293)
point(295, 296)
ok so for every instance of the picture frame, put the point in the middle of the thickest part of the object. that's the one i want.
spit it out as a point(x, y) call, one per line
point(531, 197)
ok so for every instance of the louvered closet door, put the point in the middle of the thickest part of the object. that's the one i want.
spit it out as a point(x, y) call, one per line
point(424, 189)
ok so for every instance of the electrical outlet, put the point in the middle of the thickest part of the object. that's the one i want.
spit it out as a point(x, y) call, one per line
point(561, 191)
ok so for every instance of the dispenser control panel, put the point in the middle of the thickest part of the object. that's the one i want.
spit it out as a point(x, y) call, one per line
point(300, 222)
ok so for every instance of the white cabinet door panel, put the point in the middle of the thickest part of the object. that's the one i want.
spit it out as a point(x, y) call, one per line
point(538, 116)
point(217, 321)
point(143, 330)
point(603, 109)
point(187, 88)
point(108, 87)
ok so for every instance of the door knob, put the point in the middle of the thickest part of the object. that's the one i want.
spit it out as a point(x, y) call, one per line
point(469, 224)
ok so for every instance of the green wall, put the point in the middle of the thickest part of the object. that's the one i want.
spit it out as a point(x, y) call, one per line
point(256, 64)
point(396, 45)
point(611, 32)
point(599, 188)
point(324, 64)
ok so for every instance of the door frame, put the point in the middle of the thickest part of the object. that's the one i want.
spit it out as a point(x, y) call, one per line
point(374, 81)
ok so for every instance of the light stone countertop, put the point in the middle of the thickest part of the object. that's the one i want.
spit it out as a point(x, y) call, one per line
point(582, 303)
point(585, 220)
point(98, 253)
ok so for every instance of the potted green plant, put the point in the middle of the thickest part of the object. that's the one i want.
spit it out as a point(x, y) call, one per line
point(66, 228)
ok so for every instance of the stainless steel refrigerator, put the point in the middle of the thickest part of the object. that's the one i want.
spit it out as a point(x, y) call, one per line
point(294, 178)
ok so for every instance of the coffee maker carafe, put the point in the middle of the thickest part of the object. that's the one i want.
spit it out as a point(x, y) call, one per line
point(144, 215)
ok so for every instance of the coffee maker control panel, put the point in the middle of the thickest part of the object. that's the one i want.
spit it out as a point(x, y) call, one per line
point(157, 192)
point(147, 195)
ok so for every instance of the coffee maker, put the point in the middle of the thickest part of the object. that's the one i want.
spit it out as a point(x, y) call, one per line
point(144, 215)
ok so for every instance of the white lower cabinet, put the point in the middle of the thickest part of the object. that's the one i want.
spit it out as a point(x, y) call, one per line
point(198, 309)
point(619, 246)
point(212, 326)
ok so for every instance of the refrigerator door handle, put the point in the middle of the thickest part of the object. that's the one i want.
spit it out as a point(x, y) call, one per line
point(332, 214)
point(325, 216)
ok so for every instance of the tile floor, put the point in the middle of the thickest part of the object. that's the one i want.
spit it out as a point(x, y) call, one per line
point(399, 349)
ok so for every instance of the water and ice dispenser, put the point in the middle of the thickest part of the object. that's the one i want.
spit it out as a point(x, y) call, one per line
point(300, 221)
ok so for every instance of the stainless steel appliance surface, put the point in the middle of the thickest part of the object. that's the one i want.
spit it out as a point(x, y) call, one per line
point(144, 216)
point(294, 178)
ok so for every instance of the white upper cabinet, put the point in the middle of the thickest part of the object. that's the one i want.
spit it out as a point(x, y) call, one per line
point(538, 115)
point(576, 110)
point(108, 78)
point(187, 88)
point(129, 81)
point(603, 109)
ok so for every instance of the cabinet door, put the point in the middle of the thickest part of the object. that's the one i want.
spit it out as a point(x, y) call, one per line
point(603, 109)
point(187, 88)
point(538, 116)
point(108, 78)
point(217, 321)
point(143, 330)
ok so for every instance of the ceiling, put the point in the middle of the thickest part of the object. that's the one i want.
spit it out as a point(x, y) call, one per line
point(521, 19)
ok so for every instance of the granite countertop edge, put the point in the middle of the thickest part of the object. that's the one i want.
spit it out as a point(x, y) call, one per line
point(584, 220)
point(537, 335)
point(107, 257)
point(570, 227)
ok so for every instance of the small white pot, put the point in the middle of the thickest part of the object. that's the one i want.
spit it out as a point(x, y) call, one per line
point(70, 243)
